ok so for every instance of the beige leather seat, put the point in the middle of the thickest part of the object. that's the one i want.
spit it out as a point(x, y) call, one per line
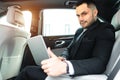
point(13, 45)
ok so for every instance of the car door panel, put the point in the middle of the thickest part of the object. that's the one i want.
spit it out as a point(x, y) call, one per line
point(58, 43)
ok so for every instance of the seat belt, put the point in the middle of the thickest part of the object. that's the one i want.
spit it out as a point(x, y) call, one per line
point(115, 71)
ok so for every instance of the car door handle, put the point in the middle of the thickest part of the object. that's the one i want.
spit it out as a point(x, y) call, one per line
point(59, 43)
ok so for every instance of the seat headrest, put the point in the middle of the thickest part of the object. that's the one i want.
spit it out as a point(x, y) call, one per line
point(15, 16)
point(116, 20)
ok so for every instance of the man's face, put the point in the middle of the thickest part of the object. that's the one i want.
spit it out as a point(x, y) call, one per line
point(85, 15)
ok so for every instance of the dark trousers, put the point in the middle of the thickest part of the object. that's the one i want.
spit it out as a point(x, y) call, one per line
point(31, 73)
point(29, 70)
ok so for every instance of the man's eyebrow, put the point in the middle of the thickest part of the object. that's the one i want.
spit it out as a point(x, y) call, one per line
point(84, 12)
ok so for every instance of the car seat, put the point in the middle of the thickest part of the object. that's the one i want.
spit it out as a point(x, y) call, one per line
point(12, 47)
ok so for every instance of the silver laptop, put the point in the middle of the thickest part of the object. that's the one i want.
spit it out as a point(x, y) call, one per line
point(38, 48)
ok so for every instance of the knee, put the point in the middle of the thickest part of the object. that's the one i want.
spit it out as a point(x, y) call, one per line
point(27, 69)
point(31, 69)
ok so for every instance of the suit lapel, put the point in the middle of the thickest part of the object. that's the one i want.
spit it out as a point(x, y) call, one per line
point(77, 44)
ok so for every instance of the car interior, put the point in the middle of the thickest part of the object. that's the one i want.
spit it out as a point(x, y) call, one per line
point(56, 21)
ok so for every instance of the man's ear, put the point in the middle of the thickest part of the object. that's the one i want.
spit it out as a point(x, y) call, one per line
point(95, 12)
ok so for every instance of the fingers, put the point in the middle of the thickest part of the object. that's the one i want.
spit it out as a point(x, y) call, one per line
point(51, 54)
point(45, 65)
point(44, 62)
point(45, 68)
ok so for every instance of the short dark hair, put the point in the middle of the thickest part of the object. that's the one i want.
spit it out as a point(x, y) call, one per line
point(88, 2)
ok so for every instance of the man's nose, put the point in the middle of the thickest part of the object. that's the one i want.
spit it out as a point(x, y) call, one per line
point(81, 18)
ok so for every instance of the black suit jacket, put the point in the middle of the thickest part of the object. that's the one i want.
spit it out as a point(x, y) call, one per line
point(91, 53)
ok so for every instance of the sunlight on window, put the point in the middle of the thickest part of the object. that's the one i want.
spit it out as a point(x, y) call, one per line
point(59, 22)
point(28, 18)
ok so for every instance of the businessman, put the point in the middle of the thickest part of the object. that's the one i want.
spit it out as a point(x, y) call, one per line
point(88, 53)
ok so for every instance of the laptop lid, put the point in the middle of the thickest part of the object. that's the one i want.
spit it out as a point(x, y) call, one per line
point(38, 48)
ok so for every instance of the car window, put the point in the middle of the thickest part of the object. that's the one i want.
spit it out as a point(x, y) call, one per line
point(58, 22)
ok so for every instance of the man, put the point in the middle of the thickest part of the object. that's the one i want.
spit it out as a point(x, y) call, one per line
point(88, 52)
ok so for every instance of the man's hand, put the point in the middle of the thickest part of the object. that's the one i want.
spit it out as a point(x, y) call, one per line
point(53, 66)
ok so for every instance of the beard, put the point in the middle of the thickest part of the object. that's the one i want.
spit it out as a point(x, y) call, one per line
point(83, 23)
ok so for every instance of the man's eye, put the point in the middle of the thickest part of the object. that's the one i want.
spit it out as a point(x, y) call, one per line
point(84, 13)
point(78, 15)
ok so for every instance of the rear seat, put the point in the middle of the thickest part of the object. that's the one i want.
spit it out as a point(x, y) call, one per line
point(115, 74)
point(115, 57)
